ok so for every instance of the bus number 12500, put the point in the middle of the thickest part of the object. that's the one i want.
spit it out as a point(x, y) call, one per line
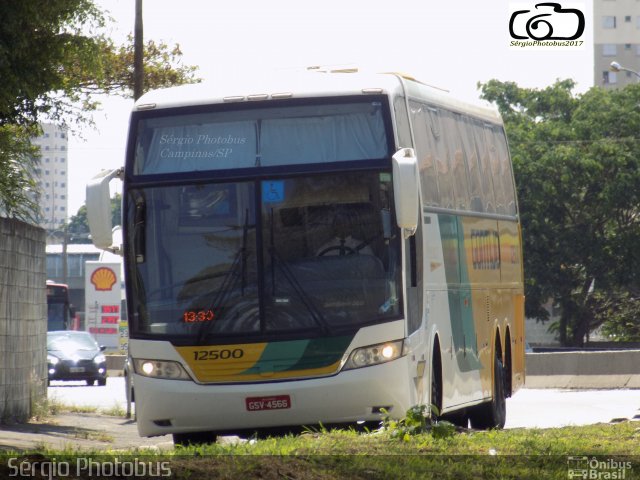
point(223, 354)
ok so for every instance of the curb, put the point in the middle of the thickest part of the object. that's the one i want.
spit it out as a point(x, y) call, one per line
point(583, 381)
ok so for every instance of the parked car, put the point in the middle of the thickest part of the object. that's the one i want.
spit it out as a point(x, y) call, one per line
point(75, 355)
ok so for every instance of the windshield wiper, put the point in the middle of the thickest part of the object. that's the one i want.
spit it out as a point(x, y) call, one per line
point(140, 228)
point(230, 281)
point(139, 249)
point(284, 267)
point(243, 250)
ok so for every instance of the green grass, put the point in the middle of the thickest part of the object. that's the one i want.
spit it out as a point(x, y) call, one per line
point(116, 410)
point(53, 406)
point(505, 454)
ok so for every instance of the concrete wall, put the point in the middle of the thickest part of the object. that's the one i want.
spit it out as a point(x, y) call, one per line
point(23, 320)
point(115, 364)
point(606, 369)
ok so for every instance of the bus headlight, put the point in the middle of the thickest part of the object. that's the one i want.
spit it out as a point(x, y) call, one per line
point(166, 369)
point(375, 354)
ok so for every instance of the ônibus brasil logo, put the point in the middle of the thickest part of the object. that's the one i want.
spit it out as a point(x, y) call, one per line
point(546, 24)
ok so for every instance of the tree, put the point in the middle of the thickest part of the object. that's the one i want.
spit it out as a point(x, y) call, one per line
point(18, 190)
point(622, 316)
point(162, 68)
point(78, 227)
point(577, 166)
point(39, 43)
point(50, 68)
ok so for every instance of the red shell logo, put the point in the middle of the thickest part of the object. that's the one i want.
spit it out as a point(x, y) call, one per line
point(103, 279)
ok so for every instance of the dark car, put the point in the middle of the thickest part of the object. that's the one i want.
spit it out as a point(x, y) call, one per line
point(75, 356)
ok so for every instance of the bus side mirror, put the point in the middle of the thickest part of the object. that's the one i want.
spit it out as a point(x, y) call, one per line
point(405, 189)
point(99, 210)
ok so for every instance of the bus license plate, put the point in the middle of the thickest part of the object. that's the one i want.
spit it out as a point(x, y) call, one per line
point(277, 402)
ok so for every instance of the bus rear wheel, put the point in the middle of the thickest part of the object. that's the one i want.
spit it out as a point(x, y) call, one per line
point(194, 438)
point(492, 414)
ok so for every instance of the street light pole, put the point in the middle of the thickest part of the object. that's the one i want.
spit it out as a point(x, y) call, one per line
point(65, 257)
point(616, 67)
point(138, 53)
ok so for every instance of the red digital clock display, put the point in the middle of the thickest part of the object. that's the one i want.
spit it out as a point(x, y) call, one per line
point(198, 316)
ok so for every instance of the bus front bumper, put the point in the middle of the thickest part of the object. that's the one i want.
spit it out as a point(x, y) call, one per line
point(172, 406)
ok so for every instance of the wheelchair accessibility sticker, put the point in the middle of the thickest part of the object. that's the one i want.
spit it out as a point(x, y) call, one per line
point(273, 191)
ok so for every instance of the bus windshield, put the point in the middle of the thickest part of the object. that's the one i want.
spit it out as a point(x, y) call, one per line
point(266, 137)
point(315, 252)
point(58, 313)
point(56, 316)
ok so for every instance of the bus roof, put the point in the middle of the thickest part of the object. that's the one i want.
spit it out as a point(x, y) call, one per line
point(307, 84)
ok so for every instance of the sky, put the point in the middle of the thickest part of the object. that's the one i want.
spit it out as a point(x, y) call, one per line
point(452, 45)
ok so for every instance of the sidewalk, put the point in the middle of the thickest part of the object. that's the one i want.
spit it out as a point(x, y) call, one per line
point(78, 431)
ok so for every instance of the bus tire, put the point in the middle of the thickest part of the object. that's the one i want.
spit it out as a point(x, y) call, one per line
point(492, 414)
point(508, 369)
point(459, 418)
point(194, 438)
point(436, 386)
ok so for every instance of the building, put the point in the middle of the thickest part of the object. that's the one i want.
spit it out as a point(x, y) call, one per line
point(51, 173)
point(616, 37)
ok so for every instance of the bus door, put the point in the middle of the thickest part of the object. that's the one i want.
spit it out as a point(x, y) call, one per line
point(418, 337)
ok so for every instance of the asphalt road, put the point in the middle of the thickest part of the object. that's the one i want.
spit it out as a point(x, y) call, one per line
point(110, 396)
point(528, 408)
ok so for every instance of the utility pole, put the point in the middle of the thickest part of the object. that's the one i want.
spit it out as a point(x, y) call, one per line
point(138, 53)
point(65, 257)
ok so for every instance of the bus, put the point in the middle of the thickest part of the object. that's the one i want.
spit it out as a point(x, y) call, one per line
point(326, 248)
point(60, 313)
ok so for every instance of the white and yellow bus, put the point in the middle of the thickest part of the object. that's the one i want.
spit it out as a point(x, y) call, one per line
point(318, 249)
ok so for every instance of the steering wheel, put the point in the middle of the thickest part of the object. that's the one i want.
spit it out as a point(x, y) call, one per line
point(343, 249)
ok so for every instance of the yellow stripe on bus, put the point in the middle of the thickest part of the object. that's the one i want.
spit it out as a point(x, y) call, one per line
point(223, 363)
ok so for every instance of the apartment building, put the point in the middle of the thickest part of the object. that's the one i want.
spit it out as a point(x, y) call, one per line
point(52, 176)
point(616, 37)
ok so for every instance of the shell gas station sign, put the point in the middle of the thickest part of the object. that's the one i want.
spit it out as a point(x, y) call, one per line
point(103, 294)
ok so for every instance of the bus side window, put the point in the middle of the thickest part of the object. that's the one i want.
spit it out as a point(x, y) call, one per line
point(488, 195)
point(443, 163)
point(422, 128)
point(506, 177)
point(402, 122)
point(469, 142)
point(456, 131)
point(496, 169)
